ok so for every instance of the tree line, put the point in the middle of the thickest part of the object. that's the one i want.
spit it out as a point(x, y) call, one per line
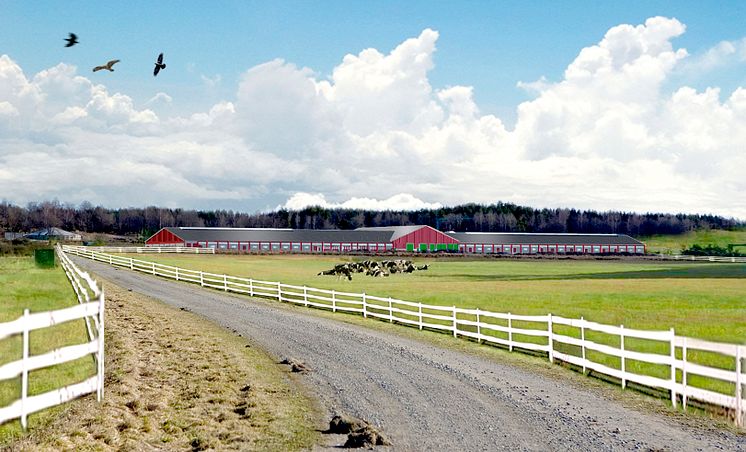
point(499, 217)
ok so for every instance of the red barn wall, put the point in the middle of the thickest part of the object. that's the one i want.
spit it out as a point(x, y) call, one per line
point(425, 234)
point(164, 237)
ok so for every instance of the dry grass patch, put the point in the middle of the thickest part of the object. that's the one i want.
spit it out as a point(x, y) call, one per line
point(177, 381)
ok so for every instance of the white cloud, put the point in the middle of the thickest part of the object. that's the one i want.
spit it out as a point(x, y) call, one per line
point(610, 134)
point(401, 201)
point(160, 98)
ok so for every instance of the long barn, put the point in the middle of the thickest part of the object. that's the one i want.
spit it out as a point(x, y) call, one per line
point(393, 238)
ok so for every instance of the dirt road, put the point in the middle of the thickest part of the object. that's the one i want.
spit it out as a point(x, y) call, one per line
point(426, 397)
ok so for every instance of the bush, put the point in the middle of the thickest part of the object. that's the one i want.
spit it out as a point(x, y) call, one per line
point(710, 250)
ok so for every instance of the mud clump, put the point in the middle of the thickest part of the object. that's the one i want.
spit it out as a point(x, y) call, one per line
point(359, 432)
point(296, 366)
point(345, 424)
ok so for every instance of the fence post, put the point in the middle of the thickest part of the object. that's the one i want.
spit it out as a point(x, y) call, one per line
point(683, 373)
point(202, 278)
point(673, 368)
point(225, 282)
point(365, 311)
point(550, 339)
point(455, 325)
point(110, 259)
point(100, 393)
point(24, 369)
point(739, 389)
point(251, 287)
point(419, 312)
point(391, 312)
point(177, 273)
point(132, 264)
point(334, 301)
point(624, 367)
point(152, 264)
point(479, 329)
point(305, 296)
point(510, 333)
point(279, 291)
point(582, 341)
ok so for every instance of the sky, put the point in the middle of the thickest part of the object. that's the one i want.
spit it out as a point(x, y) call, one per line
point(635, 106)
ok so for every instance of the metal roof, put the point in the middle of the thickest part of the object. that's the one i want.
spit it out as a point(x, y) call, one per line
point(387, 234)
point(398, 231)
point(280, 235)
point(506, 238)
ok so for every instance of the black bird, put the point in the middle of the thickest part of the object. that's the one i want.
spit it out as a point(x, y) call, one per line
point(159, 65)
point(72, 40)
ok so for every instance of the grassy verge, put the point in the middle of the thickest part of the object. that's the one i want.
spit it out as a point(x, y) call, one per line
point(175, 381)
point(25, 286)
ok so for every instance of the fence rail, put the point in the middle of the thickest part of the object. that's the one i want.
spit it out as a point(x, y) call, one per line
point(91, 308)
point(154, 249)
point(684, 257)
point(658, 359)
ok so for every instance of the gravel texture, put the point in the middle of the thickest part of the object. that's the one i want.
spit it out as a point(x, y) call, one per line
point(425, 397)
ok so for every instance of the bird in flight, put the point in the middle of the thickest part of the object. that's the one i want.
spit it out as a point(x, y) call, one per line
point(72, 40)
point(159, 65)
point(108, 66)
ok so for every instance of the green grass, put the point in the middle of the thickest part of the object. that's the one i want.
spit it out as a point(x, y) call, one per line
point(25, 286)
point(673, 244)
point(701, 300)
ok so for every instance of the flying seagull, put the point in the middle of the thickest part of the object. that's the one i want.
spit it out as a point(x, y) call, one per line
point(72, 40)
point(159, 65)
point(108, 66)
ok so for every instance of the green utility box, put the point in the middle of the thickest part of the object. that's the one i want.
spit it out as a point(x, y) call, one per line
point(441, 246)
point(432, 247)
point(410, 247)
point(44, 257)
point(423, 247)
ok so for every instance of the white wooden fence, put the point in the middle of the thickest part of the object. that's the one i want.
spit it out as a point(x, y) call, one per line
point(694, 369)
point(90, 308)
point(153, 249)
point(684, 257)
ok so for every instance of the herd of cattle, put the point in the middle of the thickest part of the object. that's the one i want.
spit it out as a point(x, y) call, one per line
point(373, 268)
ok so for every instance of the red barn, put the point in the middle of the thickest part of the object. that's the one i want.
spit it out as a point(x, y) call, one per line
point(393, 238)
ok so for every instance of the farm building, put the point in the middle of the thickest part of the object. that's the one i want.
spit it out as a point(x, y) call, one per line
point(393, 238)
point(54, 234)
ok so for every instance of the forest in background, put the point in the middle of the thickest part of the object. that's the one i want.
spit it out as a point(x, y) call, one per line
point(498, 217)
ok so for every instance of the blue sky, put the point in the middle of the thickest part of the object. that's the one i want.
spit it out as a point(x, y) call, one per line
point(488, 45)
point(616, 100)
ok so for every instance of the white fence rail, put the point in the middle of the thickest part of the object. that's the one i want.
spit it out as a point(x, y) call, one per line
point(90, 308)
point(684, 257)
point(153, 249)
point(659, 359)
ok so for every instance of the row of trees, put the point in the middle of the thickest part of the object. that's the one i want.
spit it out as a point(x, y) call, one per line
point(500, 217)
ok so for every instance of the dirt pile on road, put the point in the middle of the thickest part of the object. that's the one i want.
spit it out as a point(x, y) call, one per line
point(373, 268)
point(359, 432)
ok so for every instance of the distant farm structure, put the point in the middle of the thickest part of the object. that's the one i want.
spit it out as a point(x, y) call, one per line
point(420, 238)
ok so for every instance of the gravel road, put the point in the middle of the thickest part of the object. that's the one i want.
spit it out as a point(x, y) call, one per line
point(425, 397)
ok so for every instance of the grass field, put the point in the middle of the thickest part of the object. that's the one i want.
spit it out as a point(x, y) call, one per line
point(25, 286)
point(700, 300)
point(673, 244)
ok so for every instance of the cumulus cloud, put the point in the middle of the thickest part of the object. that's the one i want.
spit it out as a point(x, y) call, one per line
point(401, 201)
point(160, 98)
point(609, 134)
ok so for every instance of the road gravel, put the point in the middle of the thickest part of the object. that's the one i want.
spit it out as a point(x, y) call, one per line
point(425, 397)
